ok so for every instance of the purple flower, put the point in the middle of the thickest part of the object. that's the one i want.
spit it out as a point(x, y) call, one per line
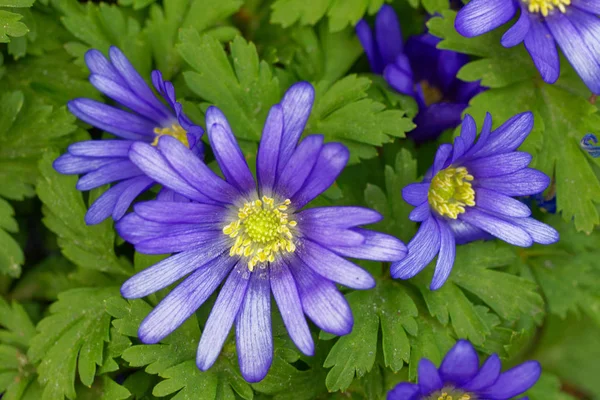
point(418, 70)
point(590, 144)
point(573, 24)
point(459, 377)
point(258, 238)
point(107, 161)
point(468, 195)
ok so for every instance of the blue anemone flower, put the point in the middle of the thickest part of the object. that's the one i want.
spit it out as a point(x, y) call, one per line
point(468, 195)
point(258, 237)
point(573, 24)
point(590, 144)
point(147, 119)
point(418, 69)
point(459, 377)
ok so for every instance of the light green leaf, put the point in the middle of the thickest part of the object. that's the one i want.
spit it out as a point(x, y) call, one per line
point(16, 3)
point(548, 388)
point(10, 26)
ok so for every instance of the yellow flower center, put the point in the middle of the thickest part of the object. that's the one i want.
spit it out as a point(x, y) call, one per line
point(431, 94)
point(545, 6)
point(450, 191)
point(450, 394)
point(261, 230)
point(174, 130)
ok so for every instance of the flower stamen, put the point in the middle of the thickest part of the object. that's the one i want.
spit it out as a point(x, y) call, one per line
point(261, 230)
point(546, 6)
point(174, 130)
point(450, 192)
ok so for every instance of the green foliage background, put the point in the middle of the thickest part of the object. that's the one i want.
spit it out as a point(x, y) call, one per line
point(65, 332)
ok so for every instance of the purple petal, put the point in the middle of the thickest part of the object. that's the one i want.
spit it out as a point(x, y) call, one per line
point(333, 267)
point(133, 188)
point(541, 46)
point(296, 105)
point(415, 194)
point(481, 16)
point(290, 306)
point(227, 152)
point(185, 299)
point(484, 136)
point(498, 227)
point(181, 240)
point(185, 213)
point(436, 118)
point(468, 133)
point(195, 172)
point(513, 382)
point(268, 150)
point(441, 158)
point(445, 260)
point(254, 339)
point(508, 137)
point(516, 34)
point(460, 364)
point(404, 391)
point(497, 165)
point(429, 378)
point(497, 203)
point(118, 122)
point(487, 375)
point(591, 6)
point(332, 236)
point(222, 316)
point(466, 233)
point(299, 166)
point(98, 64)
point(377, 247)
point(101, 148)
point(340, 217)
point(365, 36)
point(421, 250)
point(388, 34)
point(331, 162)
point(521, 183)
point(540, 232)
point(421, 213)
point(399, 79)
point(104, 206)
point(69, 164)
point(115, 171)
point(321, 300)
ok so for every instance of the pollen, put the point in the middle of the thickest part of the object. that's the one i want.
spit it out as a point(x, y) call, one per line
point(174, 130)
point(262, 230)
point(546, 6)
point(451, 191)
point(446, 396)
point(431, 94)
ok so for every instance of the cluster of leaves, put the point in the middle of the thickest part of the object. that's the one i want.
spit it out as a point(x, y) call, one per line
point(65, 332)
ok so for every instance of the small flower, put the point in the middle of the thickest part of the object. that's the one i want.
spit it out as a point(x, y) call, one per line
point(106, 161)
point(573, 24)
point(459, 377)
point(590, 144)
point(418, 70)
point(259, 238)
point(468, 195)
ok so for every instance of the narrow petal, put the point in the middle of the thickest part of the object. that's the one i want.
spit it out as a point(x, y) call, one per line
point(290, 306)
point(195, 172)
point(98, 64)
point(185, 213)
point(484, 136)
point(435, 119)
point(332, 236)
point(466, 233)
point(421, 213)
point(481, 16)
point(541, 46)
point(101, 148)
point(508, 137)
point(321, 300)
point(429, 378)
point(591, 6)
point(222, 315)
point(498, 227)
point(333, 267)
point(441, 158)
point(296, 105)
point(460, 364)
point(445, 260)
point(522, 183)
point(540, 232)
point(135, 186)
point(516, 34)
point(173, 268)
point(184, 300)
point(468, 133)
point(332, 160)
point(112, 172)
point(513, 382)
point(404, 391)
point(367, 40)
point(69, 164)
point(300, 164)
point(499, 164)
point(388, 34)
point(227, 152)
point(415, 194)
point(399, 79)
point(497, 203)
point(421, 250)
point(176, 241)
point(487, 375)
point(254, 339)
point(340, 217)
point(268, 150)
point(377, 247)
point(104, 206)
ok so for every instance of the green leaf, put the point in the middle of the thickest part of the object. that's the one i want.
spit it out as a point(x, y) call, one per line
point(548, 388)
point(71, 338)
point(433, 342)
point(341, 13)
point(44, 281)
point(17, 328)
point(562, 113)
point(354, 354)
point(11, 255)
point(243, 87)
point(165, 23)
point(89, 247)
point(16, 3)
point(10, 26)
point(344, 113)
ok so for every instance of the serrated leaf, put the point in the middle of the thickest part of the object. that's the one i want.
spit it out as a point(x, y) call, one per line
point(89, 247)
point(165, 23)
point(243, 87)
point(433, 342)
point(71, 338)
point(10, 26)
point(344, 113)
